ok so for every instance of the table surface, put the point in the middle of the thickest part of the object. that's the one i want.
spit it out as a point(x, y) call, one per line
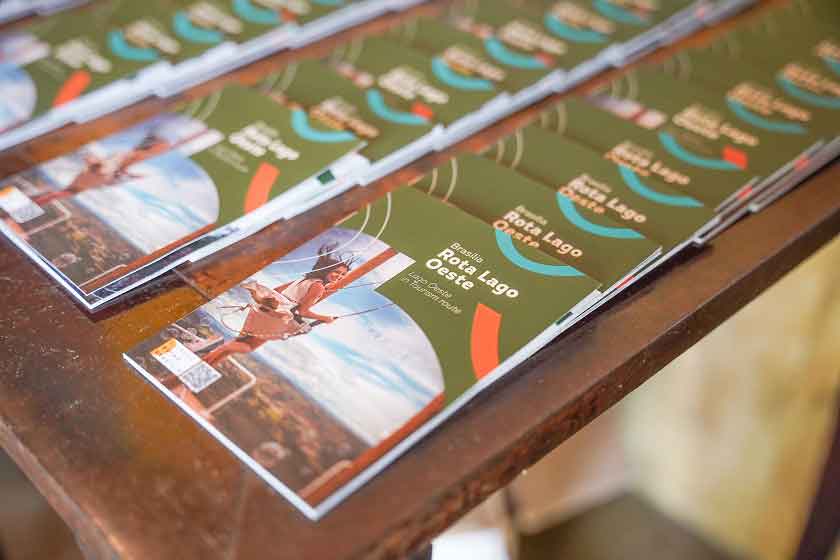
point(135, 478)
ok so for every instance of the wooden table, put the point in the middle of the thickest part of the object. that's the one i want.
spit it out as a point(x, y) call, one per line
point(135, 478)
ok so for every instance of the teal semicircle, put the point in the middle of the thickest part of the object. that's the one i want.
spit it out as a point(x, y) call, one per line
point(376, 102)
point(567, 207)
point(185, 29)
point(501, 53)
point(618, 14)
point(763, 123)
point(568, 33)
point(448, 76)
point(670, 143)
point(509, 250)
point(303, 128)
point(632, 180)
point(833, 64)
point(823, 101)
point(262, 16)
point(120, 47)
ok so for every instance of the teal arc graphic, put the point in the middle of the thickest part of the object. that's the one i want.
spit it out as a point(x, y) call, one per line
point(636, 185)
point(500, 53)
point(377, 104)
point(567, 207)
point(823, 101)
point(254, 14)
point(185, 29)
point(120, 47)
point(560, 29)
point(834, 65)
point(450, 77)
point(509, 250)
point(617, 13)
point(670, 143)
point(304, 129)
point(783, 127)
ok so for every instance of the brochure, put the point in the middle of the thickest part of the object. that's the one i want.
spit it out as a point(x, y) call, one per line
point(651, 207)
point(324, 367)
point(59, 59)
point(605, 250)
point(716, 122)
point(796, 95)
point(650, 145)
point(628, 28)
point(514, 36)
point(336, 106)
point(121, 205)
point(83, 64)
point(401, 84)
point(466, 60)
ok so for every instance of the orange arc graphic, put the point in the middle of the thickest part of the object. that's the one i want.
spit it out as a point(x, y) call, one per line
point(260, 186)
point(484, 340)
point(72, 88)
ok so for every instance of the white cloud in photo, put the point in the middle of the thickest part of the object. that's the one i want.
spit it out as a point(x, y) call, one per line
point(172, 198)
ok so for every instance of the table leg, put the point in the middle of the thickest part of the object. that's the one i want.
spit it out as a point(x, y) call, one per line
point(823, 526)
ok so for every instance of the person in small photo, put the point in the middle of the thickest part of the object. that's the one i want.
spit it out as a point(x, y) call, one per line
point(282, 312)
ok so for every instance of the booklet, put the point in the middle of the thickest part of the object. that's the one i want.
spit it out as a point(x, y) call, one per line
point(464, 58)
point(651, 207)
point(515, 37)
point(717, 121)
point(608, 251)
point(83, 64)
point(629, 28)
point(59, 59)
point(795, 94)
point(121, 205)
point(650, 145)
point(336, 106)
point(321, 369)
point(401, 85)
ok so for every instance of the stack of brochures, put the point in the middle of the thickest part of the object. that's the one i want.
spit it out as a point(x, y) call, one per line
point(322, 368)
point(83, 63)
point(187, 183)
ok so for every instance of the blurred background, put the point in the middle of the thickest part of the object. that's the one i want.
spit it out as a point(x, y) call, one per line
point(716, 457)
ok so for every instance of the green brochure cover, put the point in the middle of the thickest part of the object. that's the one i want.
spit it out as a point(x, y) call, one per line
point(601, 22)
point(120, 203)
point(316, 368)
point(464, 60)
point(653, 148)
point(78, 52)
point(335, 107)
point(401, 85)
point(600, 247)
point(718, 121)
point(795, 92)
point(201, 25)
point(515, 37)
point(662, 213)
